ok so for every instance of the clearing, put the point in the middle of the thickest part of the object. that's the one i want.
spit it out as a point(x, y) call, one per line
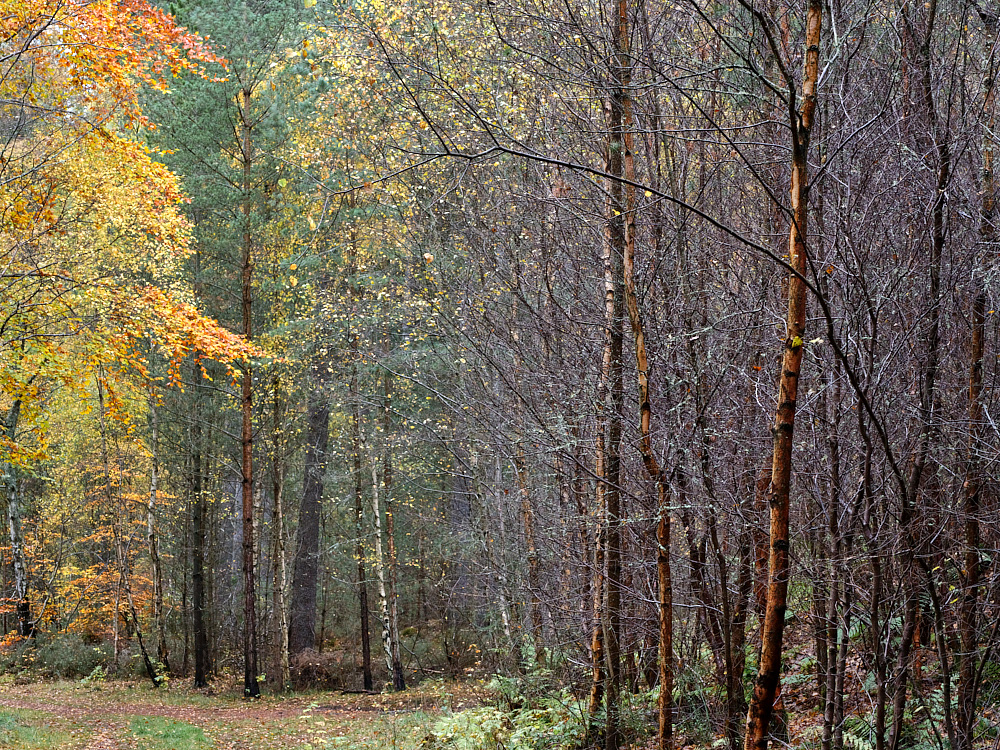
point(135, 716)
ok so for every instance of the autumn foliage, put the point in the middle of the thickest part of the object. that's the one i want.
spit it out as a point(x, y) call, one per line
point(93, 303)
point(91, 236)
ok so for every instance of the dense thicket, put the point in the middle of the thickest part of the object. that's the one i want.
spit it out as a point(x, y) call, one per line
point(629, 343)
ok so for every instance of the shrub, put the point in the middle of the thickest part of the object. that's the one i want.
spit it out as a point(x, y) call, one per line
point(482, 728)
point(14, 652)
point(70, 655)
point(330, 669)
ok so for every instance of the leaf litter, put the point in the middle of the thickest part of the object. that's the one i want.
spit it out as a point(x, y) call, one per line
point(134, 716)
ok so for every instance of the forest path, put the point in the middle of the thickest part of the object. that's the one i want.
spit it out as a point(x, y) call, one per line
point(122, 716)
point(104, 738)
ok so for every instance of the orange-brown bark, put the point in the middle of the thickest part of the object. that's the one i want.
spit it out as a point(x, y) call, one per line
point(766, 685)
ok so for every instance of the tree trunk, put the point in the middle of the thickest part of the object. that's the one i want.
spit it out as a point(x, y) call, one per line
point(185, 624)
point(613, 548)
point(838, 706)
point(251, 687)
point(622, 142)
point(383, 602)
point(968, 620)
point(302, 633)
point(12, 494)
point(119, 515)
point(766, 684)
point(600, 502)
point(615, 304)
point(531, 548)
point(736, 704)
point(357, 445)
point(599, 570)
point(324, 589)
point(198, 527)
point(159, 619)
point(398, 680)
point(831, 632)
point(279, 572)
point(359, 547)
point(909, 515)
point(522, 479)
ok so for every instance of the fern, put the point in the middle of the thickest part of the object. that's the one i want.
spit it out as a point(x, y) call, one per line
point(858, 734)
point(857, 742)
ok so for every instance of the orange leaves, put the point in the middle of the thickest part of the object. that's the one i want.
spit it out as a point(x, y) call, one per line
point(86, 597)
point(178, 329)
point(100, 51)
point(93, 245)
point(94, 281)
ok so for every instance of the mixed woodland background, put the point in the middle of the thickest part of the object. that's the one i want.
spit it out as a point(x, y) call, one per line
point(343, 345)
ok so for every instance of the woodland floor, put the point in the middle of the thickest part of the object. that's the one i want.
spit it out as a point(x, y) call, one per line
point(131, 716)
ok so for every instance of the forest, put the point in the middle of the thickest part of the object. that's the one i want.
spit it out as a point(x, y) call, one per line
point(629, 358)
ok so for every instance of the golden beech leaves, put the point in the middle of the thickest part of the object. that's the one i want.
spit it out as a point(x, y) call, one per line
point(92, 240)
point(92, 56)
point(178, 329)
point(93, 290)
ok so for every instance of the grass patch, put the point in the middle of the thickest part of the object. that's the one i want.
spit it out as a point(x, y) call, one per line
point(155, 733)
point(22, 730)
point(115, 693)
point(173, 695)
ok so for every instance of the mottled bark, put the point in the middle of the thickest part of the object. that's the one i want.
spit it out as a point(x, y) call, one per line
point(359, 547)
point(383, 599)
point(14, 501)
point(801, 120)
point(398, 680)
point(615, 292)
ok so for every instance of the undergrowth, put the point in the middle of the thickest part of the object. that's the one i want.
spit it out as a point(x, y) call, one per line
point(532, 712)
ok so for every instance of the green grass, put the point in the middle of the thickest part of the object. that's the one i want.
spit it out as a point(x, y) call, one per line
point(23, 730)
point(155, 733)
point(174, 694)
